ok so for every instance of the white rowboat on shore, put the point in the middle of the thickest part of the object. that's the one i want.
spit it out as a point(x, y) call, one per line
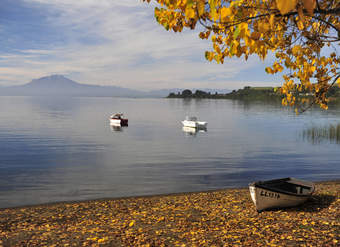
point(280, 193)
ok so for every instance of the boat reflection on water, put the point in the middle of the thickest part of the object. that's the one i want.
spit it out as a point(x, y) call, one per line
point(117, 127)
point(193, 131)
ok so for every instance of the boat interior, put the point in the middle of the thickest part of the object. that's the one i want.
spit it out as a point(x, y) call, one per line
point(286, 185)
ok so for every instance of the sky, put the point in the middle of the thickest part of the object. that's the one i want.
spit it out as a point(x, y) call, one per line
point(112, 42)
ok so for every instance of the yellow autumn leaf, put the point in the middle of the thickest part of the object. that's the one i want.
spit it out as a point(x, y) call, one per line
point(269, 70)
point(213, 11)
point(131, 223)
point(225, 12)
point(189, 13)
point(300, 25)
point(285, 6)
point(271, 20)
point(301, 15)
point(264, 27)
point(255, 35)
point(200, 7)
point(323, 106)
point(101, 240)
point(243, 26)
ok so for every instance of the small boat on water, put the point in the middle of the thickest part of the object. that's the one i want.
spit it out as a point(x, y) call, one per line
point(280, 193)
point(118, 119)
point(193, 123)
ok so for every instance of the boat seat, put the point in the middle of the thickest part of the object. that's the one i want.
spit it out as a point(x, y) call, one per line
point(284, 186)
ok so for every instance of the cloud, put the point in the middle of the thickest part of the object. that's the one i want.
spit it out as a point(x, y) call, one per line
point(116, 43)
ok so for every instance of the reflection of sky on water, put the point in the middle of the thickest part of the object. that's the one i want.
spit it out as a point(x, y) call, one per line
point(65, 149)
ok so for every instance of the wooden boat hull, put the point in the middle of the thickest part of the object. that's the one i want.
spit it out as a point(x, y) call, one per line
point(280, 193)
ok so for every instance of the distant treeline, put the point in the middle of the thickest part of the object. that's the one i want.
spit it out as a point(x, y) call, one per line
point(187, 93)
point(251, 93)
point(247, 93)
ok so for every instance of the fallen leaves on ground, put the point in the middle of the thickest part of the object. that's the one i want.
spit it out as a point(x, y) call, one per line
point(216, 218)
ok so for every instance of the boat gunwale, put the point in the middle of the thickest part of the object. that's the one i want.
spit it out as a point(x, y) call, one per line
point(264, 185)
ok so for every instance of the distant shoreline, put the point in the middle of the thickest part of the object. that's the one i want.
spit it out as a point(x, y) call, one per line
point(247, 93)
point(252, 94)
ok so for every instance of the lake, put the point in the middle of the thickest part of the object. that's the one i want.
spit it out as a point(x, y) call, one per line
point(63, 149)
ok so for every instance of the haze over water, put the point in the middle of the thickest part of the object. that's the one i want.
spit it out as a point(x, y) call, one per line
point(63, 149)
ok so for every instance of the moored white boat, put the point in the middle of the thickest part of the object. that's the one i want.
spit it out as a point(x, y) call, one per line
point(193, 123)
point(117, 119)
point(280, 193)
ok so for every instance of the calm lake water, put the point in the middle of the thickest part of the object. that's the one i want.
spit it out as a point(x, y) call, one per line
point(64, 149)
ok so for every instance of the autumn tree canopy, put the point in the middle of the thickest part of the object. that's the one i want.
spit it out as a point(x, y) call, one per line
point(304, 36)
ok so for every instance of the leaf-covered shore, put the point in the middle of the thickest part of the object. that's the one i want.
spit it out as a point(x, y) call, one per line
point(215, 218)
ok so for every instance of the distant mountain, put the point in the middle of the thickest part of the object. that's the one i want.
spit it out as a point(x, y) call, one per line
point(54, 82)
point(60, 85)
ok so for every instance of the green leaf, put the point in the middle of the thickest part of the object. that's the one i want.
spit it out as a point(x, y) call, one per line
point(190, 3)
point(236, 32)
point(231, 50)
